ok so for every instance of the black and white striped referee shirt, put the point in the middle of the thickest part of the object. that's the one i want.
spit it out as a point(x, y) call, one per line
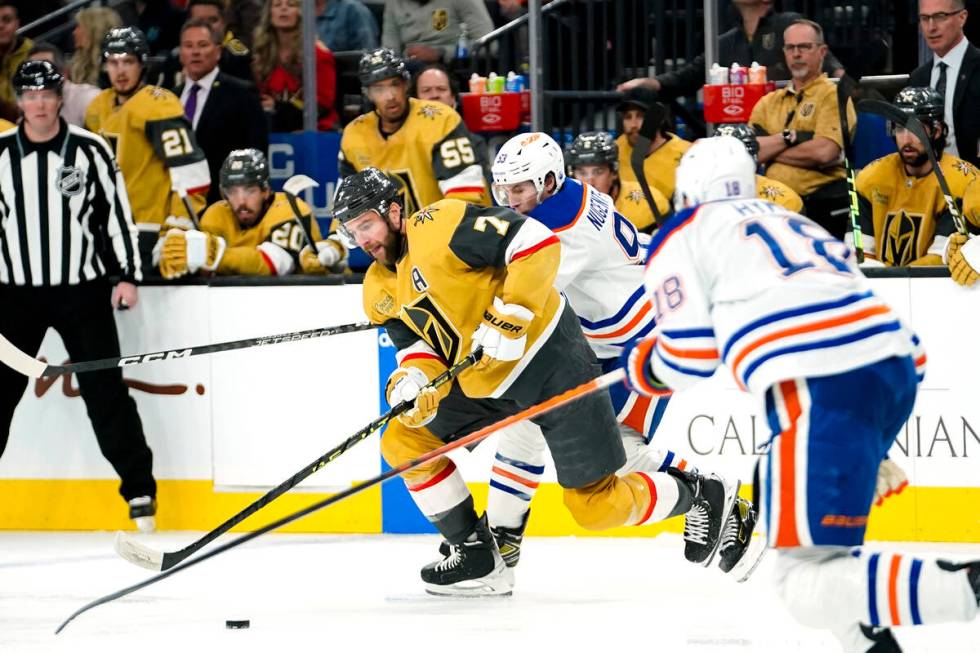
point(64, 211)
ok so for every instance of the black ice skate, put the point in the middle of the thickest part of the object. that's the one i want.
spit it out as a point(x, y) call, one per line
point(881, 640)
point(143, 511)
point(472, 568)
point(972, 572)
point(738, 553)
point(713, 500)
point(509, 541)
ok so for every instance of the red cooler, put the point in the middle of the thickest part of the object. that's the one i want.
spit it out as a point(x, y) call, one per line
point(732, 102)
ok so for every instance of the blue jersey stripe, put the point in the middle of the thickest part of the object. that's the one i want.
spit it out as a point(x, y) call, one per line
point(509, 490)
point(873, 589)
point(531, 469)
point(795, 312)
point(620, 314)
point(820, 344)
point(680, 219)
point(669, 459)
point(914, 591)
point(658, 415)
point(689, 333)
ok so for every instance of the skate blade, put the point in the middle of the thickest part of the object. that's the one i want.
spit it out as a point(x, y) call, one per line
point(499, 582)
point(750, 560)
point(731, 496)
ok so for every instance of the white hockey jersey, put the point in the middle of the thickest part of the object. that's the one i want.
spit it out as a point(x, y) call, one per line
point(766, 291)
point(601, 270)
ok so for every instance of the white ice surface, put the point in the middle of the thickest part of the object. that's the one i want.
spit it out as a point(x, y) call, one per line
point(362, 593)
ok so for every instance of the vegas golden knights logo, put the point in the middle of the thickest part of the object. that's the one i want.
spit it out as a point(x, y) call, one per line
point(440, 19)
point(427, 320)
point(901, 237)
point(407, 190)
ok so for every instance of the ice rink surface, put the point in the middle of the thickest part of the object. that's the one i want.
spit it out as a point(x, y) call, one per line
point(362, 593)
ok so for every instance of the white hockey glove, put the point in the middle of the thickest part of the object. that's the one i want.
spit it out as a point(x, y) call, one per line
point(503, 332)
point(408, 384)
point(891, 480)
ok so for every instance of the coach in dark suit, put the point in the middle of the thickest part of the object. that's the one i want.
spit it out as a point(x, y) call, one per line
point(954, 72)
point(225, 111)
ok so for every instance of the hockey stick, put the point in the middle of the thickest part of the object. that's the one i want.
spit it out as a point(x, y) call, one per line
point(31, 367)
point(293, 187)
point(139, 554)
point(547, 405)
point(845, 88)
point(191, 213)
point(910, 122)
point(652, 120)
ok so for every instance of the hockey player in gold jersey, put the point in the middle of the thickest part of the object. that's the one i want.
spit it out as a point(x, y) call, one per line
point(593, 159)
point(766, 188)
point(153, 142)
point(423, 144)
point(253, 231)
point(666, 149)
point(453, 277)
point(904, 218)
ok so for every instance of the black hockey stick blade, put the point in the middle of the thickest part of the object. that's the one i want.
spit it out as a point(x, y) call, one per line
point(652, 120)
point(134, 551)
point(17, 360)
point(910, 122)
point(546, 406)
point(846, 86)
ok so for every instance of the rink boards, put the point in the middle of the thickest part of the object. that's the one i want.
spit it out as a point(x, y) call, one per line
point(225, 428)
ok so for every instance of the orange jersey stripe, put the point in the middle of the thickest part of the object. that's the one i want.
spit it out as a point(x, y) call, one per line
point(703, 354)
point(626, 327)
point(787, 535)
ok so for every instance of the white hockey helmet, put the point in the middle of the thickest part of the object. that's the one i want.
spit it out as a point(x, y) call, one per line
point(716, 168)
point(527, 157)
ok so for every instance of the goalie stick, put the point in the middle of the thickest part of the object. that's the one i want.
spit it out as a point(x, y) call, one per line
point(845, 88)
point(139, 554)
point(32, 367)
point(652, 120)
point(910, 122)
point(547, 405)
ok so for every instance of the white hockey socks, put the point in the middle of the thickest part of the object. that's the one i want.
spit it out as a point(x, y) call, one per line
point(643, 457)
point(517, 471)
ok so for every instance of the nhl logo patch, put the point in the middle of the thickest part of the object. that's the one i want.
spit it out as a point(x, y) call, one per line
point(70, 180)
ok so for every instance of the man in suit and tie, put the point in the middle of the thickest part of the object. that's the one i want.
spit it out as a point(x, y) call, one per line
point(224, 111)
point(954, 71)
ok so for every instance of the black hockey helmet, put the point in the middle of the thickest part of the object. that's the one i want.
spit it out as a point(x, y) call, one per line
point(592, 148)
point(244, 168)
point(37, 75)
point(381, 64)
point(927, 105)
point(367, 190)
point(742, 132)
point(125, 40)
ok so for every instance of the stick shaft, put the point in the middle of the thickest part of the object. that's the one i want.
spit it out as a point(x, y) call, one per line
point(651, 124)
point(548, 405)
point(844, 88)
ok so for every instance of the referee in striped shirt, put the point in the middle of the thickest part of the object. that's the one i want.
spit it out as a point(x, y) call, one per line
point(66, 228)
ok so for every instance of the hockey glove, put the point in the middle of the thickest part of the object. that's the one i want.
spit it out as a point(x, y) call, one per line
point(189, 251)
point(331, 256)
point(636, 359)
point(891, 480)
point(503, 333)
point(963, 257)
point(408, 384)
point(172, 222)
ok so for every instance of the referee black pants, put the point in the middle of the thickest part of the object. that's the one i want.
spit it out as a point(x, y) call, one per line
point(83, 318)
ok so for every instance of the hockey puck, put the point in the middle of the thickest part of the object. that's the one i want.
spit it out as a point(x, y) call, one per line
point(237, 625)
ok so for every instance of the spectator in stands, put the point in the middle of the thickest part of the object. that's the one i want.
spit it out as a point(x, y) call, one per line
point(954, 71)
point(799, 131)
point(252, 231)
point(767, 189)
point(423, 145)
point(242, 16)
point(757, 37)
point(75, 98)
point(425, 31)
point(153, 141)
point(91, 25)
point(236, 59)
point(593, 159)
point(346, 25)
point(224, 111)
point(665, 151)
point(904, 217)
point(278, 66)
point(160, 21)
point(13, 52)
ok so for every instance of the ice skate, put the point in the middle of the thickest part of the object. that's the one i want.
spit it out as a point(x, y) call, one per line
point(508, 542)
point(713, 500)
point(472, 568)
point(861, 638)
point(143, 511)
point(739, 554)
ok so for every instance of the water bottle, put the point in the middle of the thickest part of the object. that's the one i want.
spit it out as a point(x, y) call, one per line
point(463, 43)
point(513, 84)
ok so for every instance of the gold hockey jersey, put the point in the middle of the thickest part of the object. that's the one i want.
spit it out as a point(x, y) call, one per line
point(271, 247)
point(156, 150)
point(431, 155)
point(631, 203)
point(779, 193)
point(660, 167)
point(904, 219)
point(457, 259)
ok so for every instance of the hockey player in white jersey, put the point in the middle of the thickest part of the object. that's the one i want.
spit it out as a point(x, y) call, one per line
point(601, 275)
point(740, 282)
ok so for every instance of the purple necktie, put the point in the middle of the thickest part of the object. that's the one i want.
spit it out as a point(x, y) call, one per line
point(191, 107)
